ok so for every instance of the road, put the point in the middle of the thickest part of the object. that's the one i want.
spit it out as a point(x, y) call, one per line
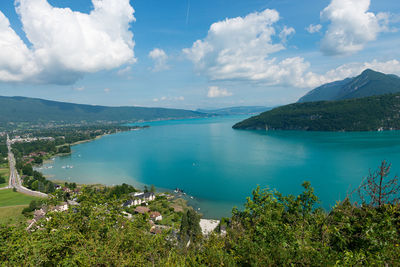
point(15, 180)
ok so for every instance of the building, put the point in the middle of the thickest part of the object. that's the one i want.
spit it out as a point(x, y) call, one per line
point(156, 216)
point(139, 198)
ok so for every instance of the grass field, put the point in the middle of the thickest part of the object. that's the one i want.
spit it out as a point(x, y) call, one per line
point(11, 206)
point(11, 215)
point(4, 171)
point(10, 198)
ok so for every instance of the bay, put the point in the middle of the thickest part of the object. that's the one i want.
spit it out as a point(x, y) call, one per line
point(219, 167)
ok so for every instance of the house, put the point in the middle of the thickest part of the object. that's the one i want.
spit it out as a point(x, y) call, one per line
point(38, 214)
point(142, 210)
point(156, 216)
point(132, 202)
point(66, 190)
point(127, 215)
point(148, 196)
point(157, 229)
point(139, 198)
point(62, 207)
point(72, 203)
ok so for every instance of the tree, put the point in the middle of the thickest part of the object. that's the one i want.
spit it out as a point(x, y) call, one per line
point(152, 189)
point(35, 185)
point(377, 188)
point(2, 180)
point(27, 170)
point(190, 227)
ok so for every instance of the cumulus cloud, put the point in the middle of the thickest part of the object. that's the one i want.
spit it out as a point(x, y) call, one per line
point(314, 28)
point(351, 26)
point(215, 91)
point(16, 60)
point(66, 44)
point(160, 59)
point(240, 49)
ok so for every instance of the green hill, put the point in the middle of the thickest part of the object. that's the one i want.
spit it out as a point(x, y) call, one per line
point(361, 114)
point(32, 110)
point(368, 83)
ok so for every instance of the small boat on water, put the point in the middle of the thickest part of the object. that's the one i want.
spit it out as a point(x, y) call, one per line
point(178, 190)
point(67, 167)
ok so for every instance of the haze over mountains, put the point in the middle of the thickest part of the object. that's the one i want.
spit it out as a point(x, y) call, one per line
point(245, 110)
point(368, 83)
point(24, 109)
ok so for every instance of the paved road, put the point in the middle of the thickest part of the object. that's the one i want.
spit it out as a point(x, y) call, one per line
point(15, 180)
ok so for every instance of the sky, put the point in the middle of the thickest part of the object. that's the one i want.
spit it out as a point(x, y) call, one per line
point(191, 53)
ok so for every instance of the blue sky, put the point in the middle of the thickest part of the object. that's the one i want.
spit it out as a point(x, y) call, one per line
point(191, 53)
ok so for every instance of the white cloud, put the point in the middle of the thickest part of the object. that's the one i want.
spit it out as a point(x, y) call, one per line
point(314, 28)
point(124, 71)
point(164, 98)
point(66, 44)
point(81, 88)
point(160, 59)
point(240, 48)
point(353, 69)
point(107, 90)
point(351, 26)
point(16, 60)
point(215, 91)
point(285, 33)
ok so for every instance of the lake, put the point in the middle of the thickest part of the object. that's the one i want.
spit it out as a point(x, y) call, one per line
point(219, 166)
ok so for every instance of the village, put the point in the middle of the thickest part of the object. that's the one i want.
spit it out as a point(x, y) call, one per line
point(162, 211)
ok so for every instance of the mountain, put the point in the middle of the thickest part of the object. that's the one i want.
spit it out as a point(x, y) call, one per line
point(24, 109)
point(235, 110)
point(368, 83)
point(360, 114)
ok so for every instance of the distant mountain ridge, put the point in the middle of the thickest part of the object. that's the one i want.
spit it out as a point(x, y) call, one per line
point(24, 109)
point(243, 110)
point(368, 83)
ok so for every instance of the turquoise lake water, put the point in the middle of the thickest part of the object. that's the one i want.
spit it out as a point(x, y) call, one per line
point(219, 166)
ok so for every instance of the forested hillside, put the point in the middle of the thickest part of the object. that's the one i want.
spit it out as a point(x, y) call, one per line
point(362, 114)
point(23, 109)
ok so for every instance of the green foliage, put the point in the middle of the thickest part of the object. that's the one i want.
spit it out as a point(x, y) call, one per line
point(118, 191)
point(70, 185)
point(271, 230)
point(363, 114)
point(2, 180)
point(27, 170)
point(152, 189)
point(34, 205)
point(64, 149)
point(190, 229)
